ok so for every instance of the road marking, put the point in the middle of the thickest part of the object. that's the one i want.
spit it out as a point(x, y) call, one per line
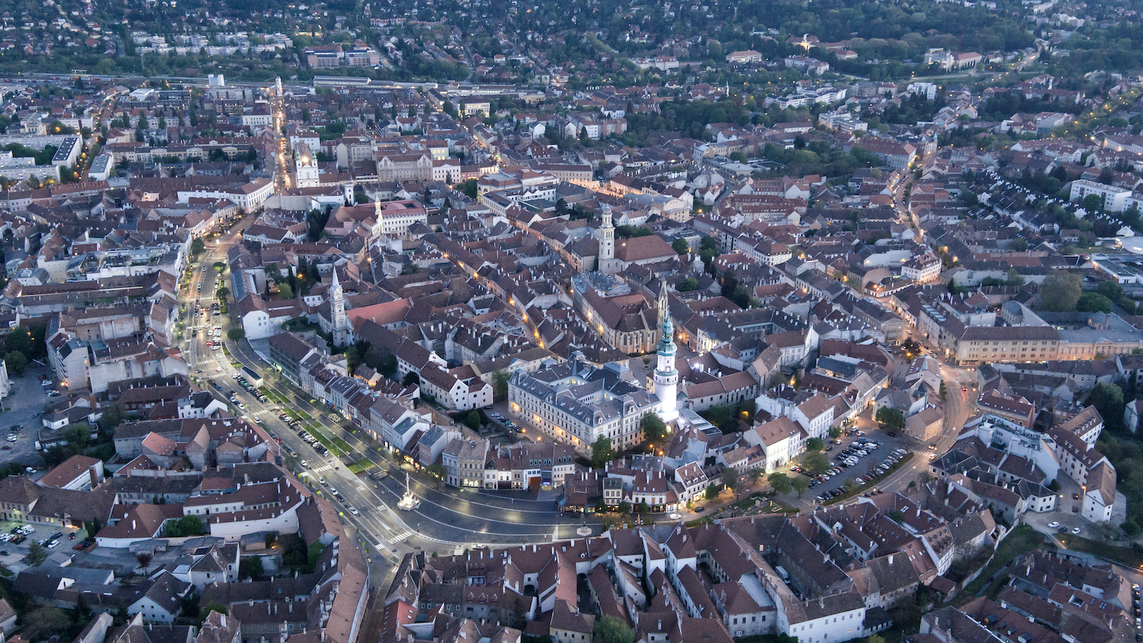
point(401, 537)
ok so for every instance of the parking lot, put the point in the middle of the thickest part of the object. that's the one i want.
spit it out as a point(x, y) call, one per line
point(878, 447)
point(22, 408)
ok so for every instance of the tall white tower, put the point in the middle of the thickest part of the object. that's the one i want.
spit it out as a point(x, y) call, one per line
point(606, 243)
point(666, 378)
point(337, 316)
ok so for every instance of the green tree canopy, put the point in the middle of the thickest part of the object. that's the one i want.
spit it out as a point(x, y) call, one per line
point(816, 463)
point(730, 478)
point(36, 554)
point(1060, 291)
point(609, 629)
point(654, 429)
point(601, 452)
point(1093, 302)
point(680, 246)
point(1108, 400)
point(780, 482)
point(890, 419)
point(814, 444)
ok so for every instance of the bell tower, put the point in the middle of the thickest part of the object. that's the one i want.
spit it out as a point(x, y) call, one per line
point(337, 317)
point(666, 378)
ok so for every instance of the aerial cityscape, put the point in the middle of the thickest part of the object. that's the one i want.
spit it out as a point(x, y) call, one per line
point(459, 321)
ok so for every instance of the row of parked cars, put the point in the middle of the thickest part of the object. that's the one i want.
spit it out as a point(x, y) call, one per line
point(250, 388)
point(503, 420)
point(1138, 611)
point(880, 469)
point(17, 535)
point(304, 435)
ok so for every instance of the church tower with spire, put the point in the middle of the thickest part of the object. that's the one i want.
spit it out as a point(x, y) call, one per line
point(666, 378)
point(337, 317)
point(606, 260)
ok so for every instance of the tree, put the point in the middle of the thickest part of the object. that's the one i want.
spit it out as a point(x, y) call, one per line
point(1108, 400)
point(253, 568)
point(468, 188)
point(411, 379)
point(144, 560)
point(800, 485)
point(36, 554)
point(1060, 291)
point(687, 284)
point(711, 492)
point(874, 638)
point(610, 629)
point(890, 419)
point(235, 334)
point(643, 507)
point(834, 432)
point(816, 463)
point(680, 246)
point(1093, 302)
point(472, 420)
point(601, 453)
point(624, 507)
point(185, 526)
point(78, 435)
point(44, 621)
point(1131, 528)
point(92, 527)
point(16, 363)
point(223, 293)
point(388, 366)
point(814, 444)
point(780, 482)
point(730, 480)
point(197, 246)
point(500, 384)
point(654, 429)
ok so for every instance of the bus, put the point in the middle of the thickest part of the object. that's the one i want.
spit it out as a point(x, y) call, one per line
point(252, 376)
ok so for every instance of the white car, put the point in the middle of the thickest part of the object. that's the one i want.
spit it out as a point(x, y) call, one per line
point(1053, 525)
point(53, 544)
point(354, 511)
point(1076, 531)
point(11, 438)
point(674, 516)
point(304, 463)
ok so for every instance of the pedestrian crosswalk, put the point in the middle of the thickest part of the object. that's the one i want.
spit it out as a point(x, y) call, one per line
point(401, 537)
point(324, 467)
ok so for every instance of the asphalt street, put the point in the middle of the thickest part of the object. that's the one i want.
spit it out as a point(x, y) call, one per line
point(444, 521)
